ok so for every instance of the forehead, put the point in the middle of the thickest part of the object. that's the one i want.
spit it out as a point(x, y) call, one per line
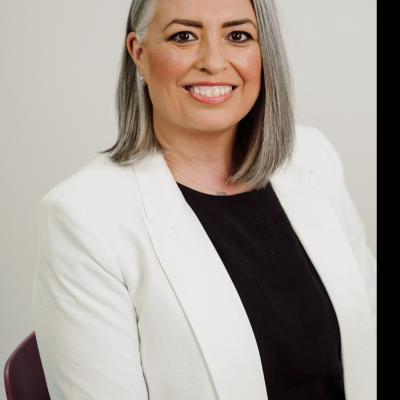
point(205, 10)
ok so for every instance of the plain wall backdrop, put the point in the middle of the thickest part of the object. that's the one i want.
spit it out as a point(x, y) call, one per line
point(58, 72)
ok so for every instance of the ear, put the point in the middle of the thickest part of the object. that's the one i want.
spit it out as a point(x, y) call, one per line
point(135, 50)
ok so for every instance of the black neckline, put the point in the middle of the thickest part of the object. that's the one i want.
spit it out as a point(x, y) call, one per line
point(209, 196)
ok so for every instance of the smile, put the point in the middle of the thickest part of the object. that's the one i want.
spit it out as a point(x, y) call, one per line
point(210, 95)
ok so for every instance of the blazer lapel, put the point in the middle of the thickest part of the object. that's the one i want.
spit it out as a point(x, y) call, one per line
point(316, 225)
point(209, 297)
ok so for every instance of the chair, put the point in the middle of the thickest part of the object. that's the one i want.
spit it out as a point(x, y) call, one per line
point(23, 373)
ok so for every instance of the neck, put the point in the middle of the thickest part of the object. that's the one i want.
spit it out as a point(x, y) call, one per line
point(204, 156)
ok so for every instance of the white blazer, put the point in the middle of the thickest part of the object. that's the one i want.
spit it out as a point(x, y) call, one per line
point(132, 302)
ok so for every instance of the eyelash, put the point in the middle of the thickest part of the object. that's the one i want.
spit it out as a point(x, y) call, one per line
point(171, 38)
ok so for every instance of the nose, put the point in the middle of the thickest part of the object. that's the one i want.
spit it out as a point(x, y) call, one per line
point(212, 56)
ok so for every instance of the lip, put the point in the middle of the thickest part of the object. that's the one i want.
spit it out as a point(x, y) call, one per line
point(205, 83)
point(210, 100)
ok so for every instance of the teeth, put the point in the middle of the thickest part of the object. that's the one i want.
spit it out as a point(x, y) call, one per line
point(211, 91)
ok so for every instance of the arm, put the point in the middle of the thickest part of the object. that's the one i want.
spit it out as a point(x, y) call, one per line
point(84, 320)
point(352, 224)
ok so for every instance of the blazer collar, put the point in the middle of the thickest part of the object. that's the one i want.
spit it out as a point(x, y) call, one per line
point(211, 302)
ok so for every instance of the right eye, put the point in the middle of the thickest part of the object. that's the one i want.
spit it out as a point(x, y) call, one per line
point(180, 35)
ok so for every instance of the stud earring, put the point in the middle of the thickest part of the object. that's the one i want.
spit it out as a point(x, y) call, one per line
point(142, 80)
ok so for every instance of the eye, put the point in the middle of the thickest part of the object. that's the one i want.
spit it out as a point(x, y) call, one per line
point(238, 33)
point(179, 35)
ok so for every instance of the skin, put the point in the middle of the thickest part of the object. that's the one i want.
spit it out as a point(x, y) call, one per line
point(198, 139)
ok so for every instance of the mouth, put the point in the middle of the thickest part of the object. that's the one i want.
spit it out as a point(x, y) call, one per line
point(204, 88)
point(211, 95)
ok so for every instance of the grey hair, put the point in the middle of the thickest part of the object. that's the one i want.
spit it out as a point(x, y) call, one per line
point(265, 136)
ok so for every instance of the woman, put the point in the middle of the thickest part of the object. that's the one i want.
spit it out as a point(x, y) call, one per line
point(214, 251)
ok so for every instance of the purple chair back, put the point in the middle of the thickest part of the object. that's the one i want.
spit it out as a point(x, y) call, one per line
point(23, 373)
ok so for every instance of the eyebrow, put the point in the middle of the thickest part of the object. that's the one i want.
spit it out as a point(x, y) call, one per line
point(198, 24)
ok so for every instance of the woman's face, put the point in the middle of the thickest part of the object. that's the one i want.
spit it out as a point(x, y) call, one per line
point(176, 55)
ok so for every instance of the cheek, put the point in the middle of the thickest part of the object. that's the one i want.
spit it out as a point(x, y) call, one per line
point(250, 67)
point(166, 66)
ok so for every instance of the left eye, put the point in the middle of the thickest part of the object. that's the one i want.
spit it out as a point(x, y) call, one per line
point(238, 33)
point(181, 35)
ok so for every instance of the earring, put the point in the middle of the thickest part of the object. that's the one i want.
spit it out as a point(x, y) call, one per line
point(142, 80)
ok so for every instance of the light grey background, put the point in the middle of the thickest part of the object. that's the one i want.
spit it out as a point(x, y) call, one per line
point(58, 71)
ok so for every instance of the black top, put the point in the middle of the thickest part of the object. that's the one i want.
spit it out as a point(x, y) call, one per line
point(292, 317)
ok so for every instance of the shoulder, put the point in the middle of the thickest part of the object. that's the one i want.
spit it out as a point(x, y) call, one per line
point(314, 152)
point(313, 146)
point(100, 188)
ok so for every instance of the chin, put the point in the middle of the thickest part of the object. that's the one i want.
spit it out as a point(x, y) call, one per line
point(223, 120)
point(207, 126)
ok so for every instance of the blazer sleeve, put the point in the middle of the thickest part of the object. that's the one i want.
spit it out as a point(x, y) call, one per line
point(84, 319)
point(352, 223)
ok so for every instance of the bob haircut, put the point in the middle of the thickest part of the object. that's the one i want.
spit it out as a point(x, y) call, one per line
point(265, 136)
